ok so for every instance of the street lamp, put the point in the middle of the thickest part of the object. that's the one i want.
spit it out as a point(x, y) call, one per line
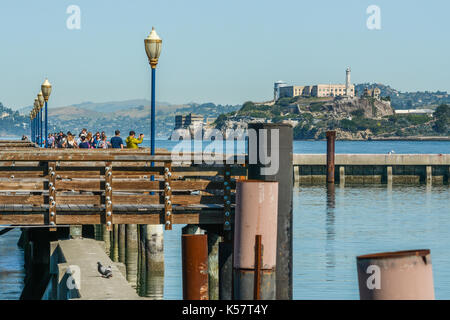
point(46, 90)
point(39, 116)
point(31, 126)
point(153, 44)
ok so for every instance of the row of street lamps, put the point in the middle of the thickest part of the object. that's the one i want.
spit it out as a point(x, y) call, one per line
point(39, 133)
point(37, 123)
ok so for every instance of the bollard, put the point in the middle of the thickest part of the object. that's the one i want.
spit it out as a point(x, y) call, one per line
point(194, 249)
point(284, 177)
point(401, 275)
point(255, 214)
point(331, 138)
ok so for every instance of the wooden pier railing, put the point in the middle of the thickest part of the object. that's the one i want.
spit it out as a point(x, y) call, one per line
point(65, 187)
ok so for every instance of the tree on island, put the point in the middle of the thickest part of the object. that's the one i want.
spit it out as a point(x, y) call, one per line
point(442, 116)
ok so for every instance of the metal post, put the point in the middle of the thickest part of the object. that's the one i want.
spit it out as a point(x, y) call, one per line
point(331, 138)
point(46, 124)
point(396, 275)
point(256, 215)
point(153, 124)
point(258, 262)
point(42, 131)
point(194, 248)
point(31, 129)
point(284, 177)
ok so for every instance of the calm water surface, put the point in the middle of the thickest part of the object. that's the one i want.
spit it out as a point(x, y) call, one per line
point(331, 227)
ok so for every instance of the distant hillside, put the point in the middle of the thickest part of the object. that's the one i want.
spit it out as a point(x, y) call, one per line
point(128, 116)
point(357, 118)
point(12, 123)
point(407, 100)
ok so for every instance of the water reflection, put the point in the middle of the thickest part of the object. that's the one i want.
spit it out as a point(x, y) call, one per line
point(329, 225)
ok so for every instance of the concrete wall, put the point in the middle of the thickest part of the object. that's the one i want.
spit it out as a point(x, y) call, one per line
point(374, 168)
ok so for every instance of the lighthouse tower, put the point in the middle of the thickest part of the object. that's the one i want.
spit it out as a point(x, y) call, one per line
point(347, 82)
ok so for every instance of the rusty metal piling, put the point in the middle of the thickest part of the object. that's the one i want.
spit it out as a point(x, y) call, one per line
point(400, 275)
point(194, 248)
point(331, 138)
point(255, 240)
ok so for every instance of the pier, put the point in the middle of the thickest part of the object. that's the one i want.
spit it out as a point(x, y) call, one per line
point(60, 198)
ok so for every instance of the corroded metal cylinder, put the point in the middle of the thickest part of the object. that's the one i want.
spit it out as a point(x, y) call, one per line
point(255, 214)
point(400, 275)
point(194, 249)
point(331, 138)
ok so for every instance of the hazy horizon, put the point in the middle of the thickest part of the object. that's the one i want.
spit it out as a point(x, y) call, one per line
point(222, 52)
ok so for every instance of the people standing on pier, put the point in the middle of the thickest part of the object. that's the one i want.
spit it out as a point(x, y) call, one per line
point(71, 143)
point(84, 144)
point(116, 141)
point(50, 141)
point(104, 144)
point(132, 142)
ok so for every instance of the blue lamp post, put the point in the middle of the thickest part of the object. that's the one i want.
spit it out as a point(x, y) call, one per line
point(46, 90)
point(153, 44)
point(31, 126)
point(39, 119)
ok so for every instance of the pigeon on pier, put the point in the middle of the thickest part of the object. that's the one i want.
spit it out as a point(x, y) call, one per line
point(106, 272)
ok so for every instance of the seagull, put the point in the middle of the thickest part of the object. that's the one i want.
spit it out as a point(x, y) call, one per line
point(106, 272)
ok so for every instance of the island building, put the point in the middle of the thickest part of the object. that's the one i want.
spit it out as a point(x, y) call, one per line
point(191, 119)
point(281, 89)
point(374, 93)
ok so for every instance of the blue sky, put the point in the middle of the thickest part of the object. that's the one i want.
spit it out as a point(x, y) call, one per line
point(219, 51)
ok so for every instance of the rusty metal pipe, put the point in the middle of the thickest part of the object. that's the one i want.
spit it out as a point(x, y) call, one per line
point(401, 275)
point(256, 214)
point(258, 261)
point(331, 138)
point(195, 266)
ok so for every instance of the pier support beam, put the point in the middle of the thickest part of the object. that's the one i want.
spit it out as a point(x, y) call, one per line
point(262, 148)
point(122, 243)
point(155, 248)
point(194, 249)
point(342, 175)
point(389, 174)
point(213, 261)
point(331, 138)
point(225, 270)
point(429, 172)
point(131, 253)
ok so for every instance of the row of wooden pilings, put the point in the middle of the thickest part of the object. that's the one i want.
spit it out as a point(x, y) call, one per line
point(405, 275)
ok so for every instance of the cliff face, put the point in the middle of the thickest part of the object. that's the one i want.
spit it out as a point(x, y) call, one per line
point(371, 108)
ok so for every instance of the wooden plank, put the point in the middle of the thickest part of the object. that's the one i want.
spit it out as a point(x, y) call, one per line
point(129, 218)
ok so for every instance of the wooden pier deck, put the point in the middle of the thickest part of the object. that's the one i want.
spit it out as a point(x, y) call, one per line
point(51, 187)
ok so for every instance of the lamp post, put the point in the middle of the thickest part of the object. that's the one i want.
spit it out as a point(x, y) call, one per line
point(153, 44)
point(31, 126)
point(39, 116)
point(46, 89)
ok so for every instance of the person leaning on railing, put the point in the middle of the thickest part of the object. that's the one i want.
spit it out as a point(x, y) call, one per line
point(132, 142)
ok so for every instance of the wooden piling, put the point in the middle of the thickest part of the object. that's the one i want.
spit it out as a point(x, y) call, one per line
point(154, 248)
point(131, 253)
